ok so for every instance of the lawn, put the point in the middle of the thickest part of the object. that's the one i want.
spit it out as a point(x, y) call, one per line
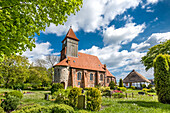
point(137, 104)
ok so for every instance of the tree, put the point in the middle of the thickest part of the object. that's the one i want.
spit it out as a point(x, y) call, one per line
point(14, 70)
point(162, 48)
point(51, 60)
point(112, 85)
point(162, 77)
point(120, 83)
point(21, 19)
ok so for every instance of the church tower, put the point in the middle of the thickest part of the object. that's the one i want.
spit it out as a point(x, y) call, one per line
point(69, 45)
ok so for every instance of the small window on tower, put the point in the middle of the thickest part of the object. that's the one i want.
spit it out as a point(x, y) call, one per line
point(91, 76)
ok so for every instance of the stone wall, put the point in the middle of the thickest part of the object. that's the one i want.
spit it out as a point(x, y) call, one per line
point(61, 75)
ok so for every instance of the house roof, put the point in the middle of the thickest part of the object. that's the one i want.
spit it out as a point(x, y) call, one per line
point(84, 61)
point(70, 34)
point(134, 76)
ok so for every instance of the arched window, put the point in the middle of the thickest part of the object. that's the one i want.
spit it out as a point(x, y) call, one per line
point(91, 76)
point(107, 80)
point(101, 77)
point(78, 76)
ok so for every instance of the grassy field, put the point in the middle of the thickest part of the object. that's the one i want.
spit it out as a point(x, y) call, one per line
point(137, 104)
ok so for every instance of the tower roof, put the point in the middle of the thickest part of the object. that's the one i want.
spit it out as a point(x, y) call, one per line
point(70, 34)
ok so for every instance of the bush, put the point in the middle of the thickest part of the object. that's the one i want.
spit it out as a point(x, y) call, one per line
point(133, 87)
point(16, 94)
point(151, 91)
point(1, 110)
point(143, 86)
point(145, 89)
point(118, 95)
point(112, 85)
point(18, 86)
point(60, 95)
point(93, 99)
point(56, 86)
point(27, 86)
point(10, 103)
point(58, 108)
point(121, 88)
point(150, 85)
point(121, 83)
point(104, 89)
point(162, 77)
point(73, 96)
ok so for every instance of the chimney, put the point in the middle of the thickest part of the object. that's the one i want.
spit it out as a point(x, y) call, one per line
point(104, 66)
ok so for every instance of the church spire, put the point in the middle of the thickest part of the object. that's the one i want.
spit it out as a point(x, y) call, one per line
point(71, 34)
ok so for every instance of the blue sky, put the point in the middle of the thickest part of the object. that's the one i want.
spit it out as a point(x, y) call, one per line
point(119, 32)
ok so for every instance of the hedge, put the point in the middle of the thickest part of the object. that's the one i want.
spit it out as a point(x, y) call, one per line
point(73, 96)
point(16, 94)
point(93, 99)
point(56, 86)
point(162, 77)
point(58, 108)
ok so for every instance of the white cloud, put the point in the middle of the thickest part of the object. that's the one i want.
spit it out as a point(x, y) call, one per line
point(154, 39)
point(122, 35)
point(152, 1)
point(93, 15)
point(39, 52)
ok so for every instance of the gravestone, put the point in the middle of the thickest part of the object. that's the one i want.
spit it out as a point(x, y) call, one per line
point(81, 102)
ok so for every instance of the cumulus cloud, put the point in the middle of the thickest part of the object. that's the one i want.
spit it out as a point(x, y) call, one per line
point(93, 15)
point(154, 39)
point(122, 35)
point(39, 52)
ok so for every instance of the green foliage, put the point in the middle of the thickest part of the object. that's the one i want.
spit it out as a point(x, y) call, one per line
point(17, 94)
point(93, 99)
point(143, 85)
point(162, 77)
point(104, 89)
point(10, 103)
point(27, 86)
point(162, 48)
point(1, 110)
point(150, 85)
point(58, 108)
point(133, 87)
point(14, 70)
point(20, 20)
point(18, 86)
point(61, 95)
point(56, 86)
point(121, 88)
point(112, 85)
point(120, 83)
point(73, 96)
point(118, 95)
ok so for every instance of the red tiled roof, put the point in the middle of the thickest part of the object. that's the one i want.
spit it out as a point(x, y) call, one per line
point(70, 34)
point(108, 73)
point(84, 61)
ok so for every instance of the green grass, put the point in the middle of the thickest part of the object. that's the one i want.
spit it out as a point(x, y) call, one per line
point(138, 104)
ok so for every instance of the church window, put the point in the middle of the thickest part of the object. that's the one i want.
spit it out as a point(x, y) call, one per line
point(91, 76)
point(101, 77)
point(78, 83)
point(78, 76)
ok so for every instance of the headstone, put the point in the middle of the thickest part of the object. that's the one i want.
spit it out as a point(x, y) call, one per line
point(46, 97)
point(81, 102)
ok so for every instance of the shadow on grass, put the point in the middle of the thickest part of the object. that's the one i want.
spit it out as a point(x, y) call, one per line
point(150, 104)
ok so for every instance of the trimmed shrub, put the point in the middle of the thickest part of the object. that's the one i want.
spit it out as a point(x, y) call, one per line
point(1, 110)
point(18, 86)
point(60, 95)
point(121, 83)
point(112, 85)
point(133, 87)
point(10, 103)
point(162, 77)
point(121, 88)
point(104, 89)
point(27, 86)
point(118, 95)
point(73, 96)
point(150, 85)
point(56, 86)
point(93, 99)
point(62, 108)
point(58, 108)
point(16, 94)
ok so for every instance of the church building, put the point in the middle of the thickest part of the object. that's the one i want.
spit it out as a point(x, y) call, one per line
point(78, 69)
